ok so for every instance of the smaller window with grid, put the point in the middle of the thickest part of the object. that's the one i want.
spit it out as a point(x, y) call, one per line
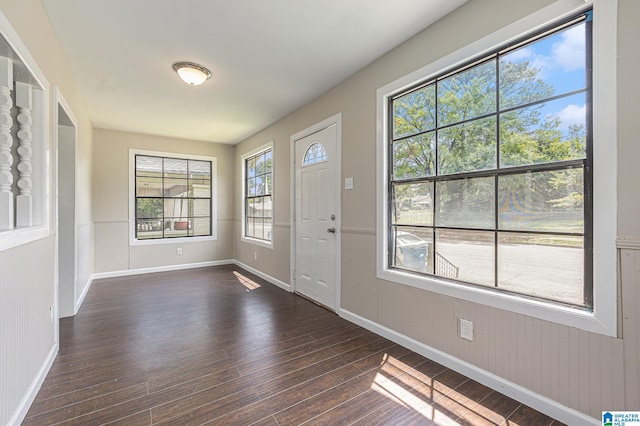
point(173, 196)
point(258, 195)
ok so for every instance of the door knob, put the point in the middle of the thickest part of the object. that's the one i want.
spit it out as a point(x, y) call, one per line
point(331, 230)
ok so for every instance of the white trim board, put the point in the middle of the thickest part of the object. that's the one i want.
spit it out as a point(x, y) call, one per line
point(128, 272)
point(80, 300)
point(264, 276)
point(539, 402)
point(141, 271)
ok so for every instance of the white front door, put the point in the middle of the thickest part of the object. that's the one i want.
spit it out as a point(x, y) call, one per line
point(315, 216)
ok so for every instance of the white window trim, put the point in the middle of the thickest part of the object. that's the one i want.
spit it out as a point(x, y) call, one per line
point(260, 149)
point(41, 192)
point(603, 318)
point(132, 195)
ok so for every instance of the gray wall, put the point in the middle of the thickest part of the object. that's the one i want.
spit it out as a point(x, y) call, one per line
point(584, 371)
point(111, 203)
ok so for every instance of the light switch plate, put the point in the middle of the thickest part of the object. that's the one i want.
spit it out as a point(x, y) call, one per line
point(348, 183)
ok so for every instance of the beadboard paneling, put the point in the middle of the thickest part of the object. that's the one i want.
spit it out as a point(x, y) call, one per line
point(359, 289)
point(584, 371)
point(113, 253)
point(26, 332)
point(111, 246)
point(630, 273)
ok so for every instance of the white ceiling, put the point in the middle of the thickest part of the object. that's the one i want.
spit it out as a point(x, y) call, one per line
point(268, 57)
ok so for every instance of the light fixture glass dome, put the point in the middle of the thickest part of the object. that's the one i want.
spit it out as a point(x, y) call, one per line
point(192, 73)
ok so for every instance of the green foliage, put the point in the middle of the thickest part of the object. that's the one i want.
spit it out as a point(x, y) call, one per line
point(149, 208)
point(527, 136)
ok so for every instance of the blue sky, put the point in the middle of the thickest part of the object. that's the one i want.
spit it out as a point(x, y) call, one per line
point(560, 59)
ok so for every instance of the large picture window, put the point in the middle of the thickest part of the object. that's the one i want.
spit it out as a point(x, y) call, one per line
point(173, 197)
point(258, 199)
point(489, 179)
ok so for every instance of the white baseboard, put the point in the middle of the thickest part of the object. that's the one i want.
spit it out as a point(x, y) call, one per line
point(127, 272)
point(34, 388)
point(85, 290)
point(539, 402)
point(264, 276)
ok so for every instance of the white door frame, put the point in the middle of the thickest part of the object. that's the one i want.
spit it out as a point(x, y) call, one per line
point(60, 102)
point(337, 121)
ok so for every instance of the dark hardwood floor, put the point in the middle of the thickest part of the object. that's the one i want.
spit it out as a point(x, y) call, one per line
point(221, 346)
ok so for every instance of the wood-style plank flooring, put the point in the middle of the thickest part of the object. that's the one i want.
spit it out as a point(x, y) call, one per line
point(221, 346)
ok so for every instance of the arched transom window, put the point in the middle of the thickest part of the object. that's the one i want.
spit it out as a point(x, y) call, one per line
point(315, 154)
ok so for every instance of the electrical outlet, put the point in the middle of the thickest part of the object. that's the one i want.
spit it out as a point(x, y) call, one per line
point(179, 251)
point(51, 312)
point(466, 329)
point(255, 255)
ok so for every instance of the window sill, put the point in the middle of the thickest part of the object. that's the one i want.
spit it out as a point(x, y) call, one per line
point(177, 240)
point(17, 237)
point(541, 309)
point(255, 241)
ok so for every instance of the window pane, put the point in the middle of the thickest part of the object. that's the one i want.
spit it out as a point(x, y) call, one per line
point(200, 188)
point(260, 164)
point(413, 248)
point(148, 166)
point(466, 255)
point(251, 187)
point(258, 228)
point(415, 112)
point(176, 207)
point(258, 203)
point(175, 187)
point(148, 186)
point(148, 228)
point(413, 203)
point(267, 207)
point(467, 94)
point(178, 228)
point(268, 164)
point(542, 201)
point(546, 266)
point(148, 208)
point(551, 131)
point(260, 180)
point(466, 203)
point(467, 147)
point(200, 208)
point(201, 226)
point(251, 167)
point(251, 208)
point(414, 157)
point(199, 169)
point(249, 228)
point(315, 153)
point(548, 67)
point(176, 168)
point(268, 189)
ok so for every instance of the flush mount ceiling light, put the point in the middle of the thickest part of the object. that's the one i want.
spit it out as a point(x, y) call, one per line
point(192, 73)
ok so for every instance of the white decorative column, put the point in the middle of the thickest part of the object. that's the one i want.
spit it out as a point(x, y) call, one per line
point(24, 203)
point(6, 141)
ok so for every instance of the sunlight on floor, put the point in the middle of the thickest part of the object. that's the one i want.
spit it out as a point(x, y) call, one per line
point(417, 391)
point(247, 282)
